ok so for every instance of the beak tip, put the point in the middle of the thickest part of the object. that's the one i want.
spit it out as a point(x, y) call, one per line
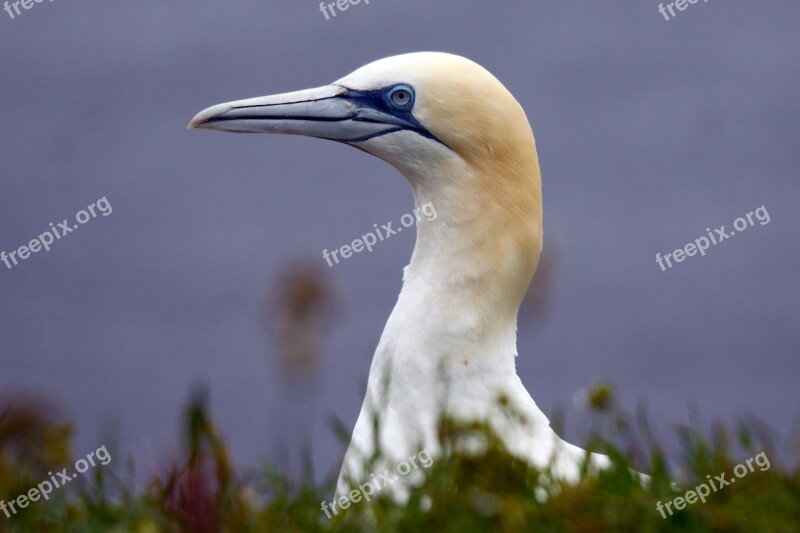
point(204, 117)
point(199, 121)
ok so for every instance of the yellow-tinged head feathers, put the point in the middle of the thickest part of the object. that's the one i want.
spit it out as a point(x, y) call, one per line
point(459, 101)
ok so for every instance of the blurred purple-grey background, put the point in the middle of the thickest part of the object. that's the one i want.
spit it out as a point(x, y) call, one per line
point(648, 132)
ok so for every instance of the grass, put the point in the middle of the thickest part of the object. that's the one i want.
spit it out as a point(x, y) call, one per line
point(489, 491)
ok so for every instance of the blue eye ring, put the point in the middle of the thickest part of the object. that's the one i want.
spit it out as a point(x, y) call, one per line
point(401, 97)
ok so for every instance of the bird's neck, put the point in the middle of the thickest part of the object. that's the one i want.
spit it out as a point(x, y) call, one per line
point(450, 343)
point(472, 263)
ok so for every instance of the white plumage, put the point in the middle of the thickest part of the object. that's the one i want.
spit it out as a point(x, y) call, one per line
point(464, 144)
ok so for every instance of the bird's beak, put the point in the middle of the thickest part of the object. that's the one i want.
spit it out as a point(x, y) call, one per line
point(331, 112)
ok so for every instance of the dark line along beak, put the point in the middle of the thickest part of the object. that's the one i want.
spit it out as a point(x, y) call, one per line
point(331, 112)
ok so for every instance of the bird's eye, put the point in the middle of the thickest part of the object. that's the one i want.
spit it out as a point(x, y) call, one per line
point(401, 97)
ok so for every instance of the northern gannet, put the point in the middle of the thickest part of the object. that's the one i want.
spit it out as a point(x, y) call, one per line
point(465, 145)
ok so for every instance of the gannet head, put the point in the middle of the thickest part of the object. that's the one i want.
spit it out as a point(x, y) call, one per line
point(407, 109)
point(459, 137)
